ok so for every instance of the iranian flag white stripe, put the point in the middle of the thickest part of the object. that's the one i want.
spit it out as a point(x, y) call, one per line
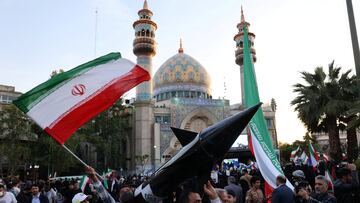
point(266, 166)
point(64, 103)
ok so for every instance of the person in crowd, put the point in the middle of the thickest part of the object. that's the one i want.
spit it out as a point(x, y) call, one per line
point(37, 197)
point(188, 196)
point(246, 177)
point(114, 182)
point(303, 191)
point(50, 193)
point(236, 188)
point(347, 185)
point(254, 194)
point(15, 186)
point(282, 194)
point(231, 196)
point(321, 190)
point(81, 198)
point(25, 194)
point(6, 197)
point(223, 195)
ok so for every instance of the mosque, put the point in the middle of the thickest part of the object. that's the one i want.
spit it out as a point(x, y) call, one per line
point(179, 95)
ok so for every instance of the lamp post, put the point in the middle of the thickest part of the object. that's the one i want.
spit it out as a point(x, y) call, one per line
point(354, 40)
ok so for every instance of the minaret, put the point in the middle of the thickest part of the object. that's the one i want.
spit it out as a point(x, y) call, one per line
point(144, 47)
point(239, 52)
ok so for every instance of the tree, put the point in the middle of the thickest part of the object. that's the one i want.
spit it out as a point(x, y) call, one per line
point(349, 92)
point(319, 104)
point(273, 104)
point(55, 72)
point(15, 135)
point(52, 157)
point(285, 151)
point(308, 138)
point(108, 132)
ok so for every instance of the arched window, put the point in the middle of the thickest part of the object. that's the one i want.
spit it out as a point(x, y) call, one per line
point(241, 44)
point(142, 32)
point(138, 33)
point(152, 34)
point(147, 33)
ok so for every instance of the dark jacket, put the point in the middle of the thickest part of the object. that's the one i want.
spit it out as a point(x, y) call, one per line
point(346, 192)
point(282, 194)
point(324, 198)
point(42, 198)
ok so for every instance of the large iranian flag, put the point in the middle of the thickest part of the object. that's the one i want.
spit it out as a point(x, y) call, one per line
point(262, 146)
point(66, 101)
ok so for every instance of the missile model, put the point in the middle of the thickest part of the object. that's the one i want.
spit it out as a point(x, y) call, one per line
point(196, 158)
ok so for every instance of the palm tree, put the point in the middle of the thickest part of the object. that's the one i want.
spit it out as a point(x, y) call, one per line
point(349, 92)
point(320, 103)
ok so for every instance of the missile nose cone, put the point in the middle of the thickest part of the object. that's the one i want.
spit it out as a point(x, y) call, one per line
point(217, 139)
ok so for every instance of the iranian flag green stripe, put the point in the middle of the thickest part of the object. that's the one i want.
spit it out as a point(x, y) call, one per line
point(262, 146)
point(32, 97)
point(71, 102)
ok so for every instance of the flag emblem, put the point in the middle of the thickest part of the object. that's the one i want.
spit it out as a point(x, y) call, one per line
point(78, 90)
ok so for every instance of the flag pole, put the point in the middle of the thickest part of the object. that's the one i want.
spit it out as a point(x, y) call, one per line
point(81, 161)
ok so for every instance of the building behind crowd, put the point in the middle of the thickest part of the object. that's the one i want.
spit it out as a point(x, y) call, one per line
point(7, 95)
point(178, 95)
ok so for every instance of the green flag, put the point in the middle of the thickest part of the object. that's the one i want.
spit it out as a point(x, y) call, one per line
point(262, 146)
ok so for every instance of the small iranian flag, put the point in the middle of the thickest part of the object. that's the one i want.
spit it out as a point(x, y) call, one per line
point(293, 153)
point(330, 180)
point(65, 102)
point(259, 139)
point(84, 180)
point(104, 176)
point(304, 158)
point(313, 158)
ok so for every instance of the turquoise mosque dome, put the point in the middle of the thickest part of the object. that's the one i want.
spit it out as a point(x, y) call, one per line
point(181, 76)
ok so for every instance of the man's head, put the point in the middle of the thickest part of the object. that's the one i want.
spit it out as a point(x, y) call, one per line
point(2, 190)
point(223, 195)
point(245, 171)
point(255, 182)
point(231, 196)
point(35, 189)
point(76, 185)
point(231, 180)
point(321, 184)
point(190, 197)
point(125, 189)
point(280, 179)
point(345, 175)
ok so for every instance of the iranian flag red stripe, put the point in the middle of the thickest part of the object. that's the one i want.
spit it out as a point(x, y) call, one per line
point(64, 103)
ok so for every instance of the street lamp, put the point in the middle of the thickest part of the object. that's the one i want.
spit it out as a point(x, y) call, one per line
point(354, 40)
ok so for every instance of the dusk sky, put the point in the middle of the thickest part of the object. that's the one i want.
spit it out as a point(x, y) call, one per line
point(39, 36)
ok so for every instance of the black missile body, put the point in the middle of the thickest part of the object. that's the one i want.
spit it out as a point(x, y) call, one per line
point(199, 153)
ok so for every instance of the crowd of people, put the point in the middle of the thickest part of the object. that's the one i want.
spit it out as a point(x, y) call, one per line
point(232, 186)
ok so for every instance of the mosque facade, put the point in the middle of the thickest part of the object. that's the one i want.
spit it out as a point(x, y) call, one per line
point(179, 95)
